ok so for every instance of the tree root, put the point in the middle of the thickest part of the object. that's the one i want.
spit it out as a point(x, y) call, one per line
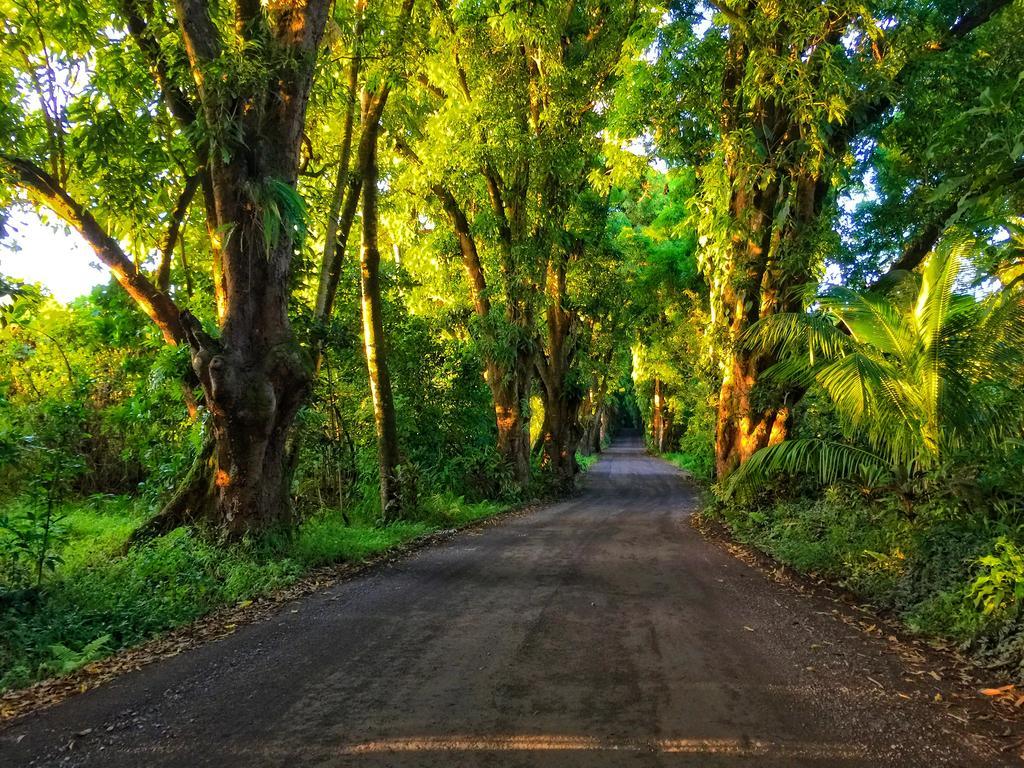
point(192, 502)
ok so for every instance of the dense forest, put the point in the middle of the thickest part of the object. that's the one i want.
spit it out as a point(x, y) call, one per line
point(384, 267)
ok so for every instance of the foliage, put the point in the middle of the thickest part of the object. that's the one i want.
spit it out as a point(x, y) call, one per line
point(1000, 585)
point(700, 464)
point(913, 375)
point(923, 570)
point(585, 462)
point(31, 535)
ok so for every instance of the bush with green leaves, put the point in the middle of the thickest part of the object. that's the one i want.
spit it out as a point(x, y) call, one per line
point(1000, 585)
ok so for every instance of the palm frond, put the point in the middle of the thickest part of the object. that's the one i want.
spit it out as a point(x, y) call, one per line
point(799, 333)
point(829, 461)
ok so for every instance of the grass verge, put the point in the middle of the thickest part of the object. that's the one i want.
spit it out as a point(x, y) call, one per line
point(97, 601)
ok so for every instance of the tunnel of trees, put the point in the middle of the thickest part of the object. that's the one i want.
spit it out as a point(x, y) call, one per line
point(382, 266)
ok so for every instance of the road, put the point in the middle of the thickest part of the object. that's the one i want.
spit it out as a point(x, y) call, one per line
point(601, 631)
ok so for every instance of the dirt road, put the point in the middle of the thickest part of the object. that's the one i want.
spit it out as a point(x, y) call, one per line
point(602, 631)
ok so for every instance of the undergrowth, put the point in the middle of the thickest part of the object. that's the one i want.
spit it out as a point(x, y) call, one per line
point(954, 576)
point(696, 463)
point(586, 461)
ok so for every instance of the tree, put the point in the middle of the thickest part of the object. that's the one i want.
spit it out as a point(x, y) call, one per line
point(798, 83)
point(236, 81)
point(374, 342)
point(504, 144)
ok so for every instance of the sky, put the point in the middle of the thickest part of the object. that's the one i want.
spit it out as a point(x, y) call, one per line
point(41, 253)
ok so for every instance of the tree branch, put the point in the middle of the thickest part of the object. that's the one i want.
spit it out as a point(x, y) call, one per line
point(163, 271)
point(734, 18)
point(467, 247)
point(976, 16)
point(45, 190)
point(467, 243)
point(202, 38)
point(446, 15)
point(924, 242)
point(964, 25)
point(497, 203)
point(434, 90)
point(178, 103)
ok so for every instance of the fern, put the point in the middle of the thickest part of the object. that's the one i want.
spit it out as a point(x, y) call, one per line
point(282, 211)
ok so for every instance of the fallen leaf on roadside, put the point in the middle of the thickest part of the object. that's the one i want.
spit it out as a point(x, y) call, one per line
point(996, 691)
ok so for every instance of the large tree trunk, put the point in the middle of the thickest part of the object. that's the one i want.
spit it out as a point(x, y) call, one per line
point(560, 435)
point(254, 375)
point(254, 378)
point(743, 429)
point(749, 420)
point(373, 324)
point(510, 392)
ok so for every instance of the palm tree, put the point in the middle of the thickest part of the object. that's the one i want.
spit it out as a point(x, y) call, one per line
point(913, 373)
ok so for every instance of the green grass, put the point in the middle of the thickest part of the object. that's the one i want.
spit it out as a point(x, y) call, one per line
point(586, 462)
point(98, 601)
point(696, 464)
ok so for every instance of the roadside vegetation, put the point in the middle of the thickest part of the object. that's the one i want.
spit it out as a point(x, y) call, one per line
point(850, 369)
point(382, 267)
point(97, 599)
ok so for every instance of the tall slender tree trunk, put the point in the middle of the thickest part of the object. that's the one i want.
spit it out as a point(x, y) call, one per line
point(661, 418)
point(656, 413)
point(591, 442)
point(509, 384)
point(562, 399)
point(590, 414)
point(347, 187)
point(373, 322)
point(594, 409)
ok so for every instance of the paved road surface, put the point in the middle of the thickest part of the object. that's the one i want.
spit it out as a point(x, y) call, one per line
point(602, 631)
